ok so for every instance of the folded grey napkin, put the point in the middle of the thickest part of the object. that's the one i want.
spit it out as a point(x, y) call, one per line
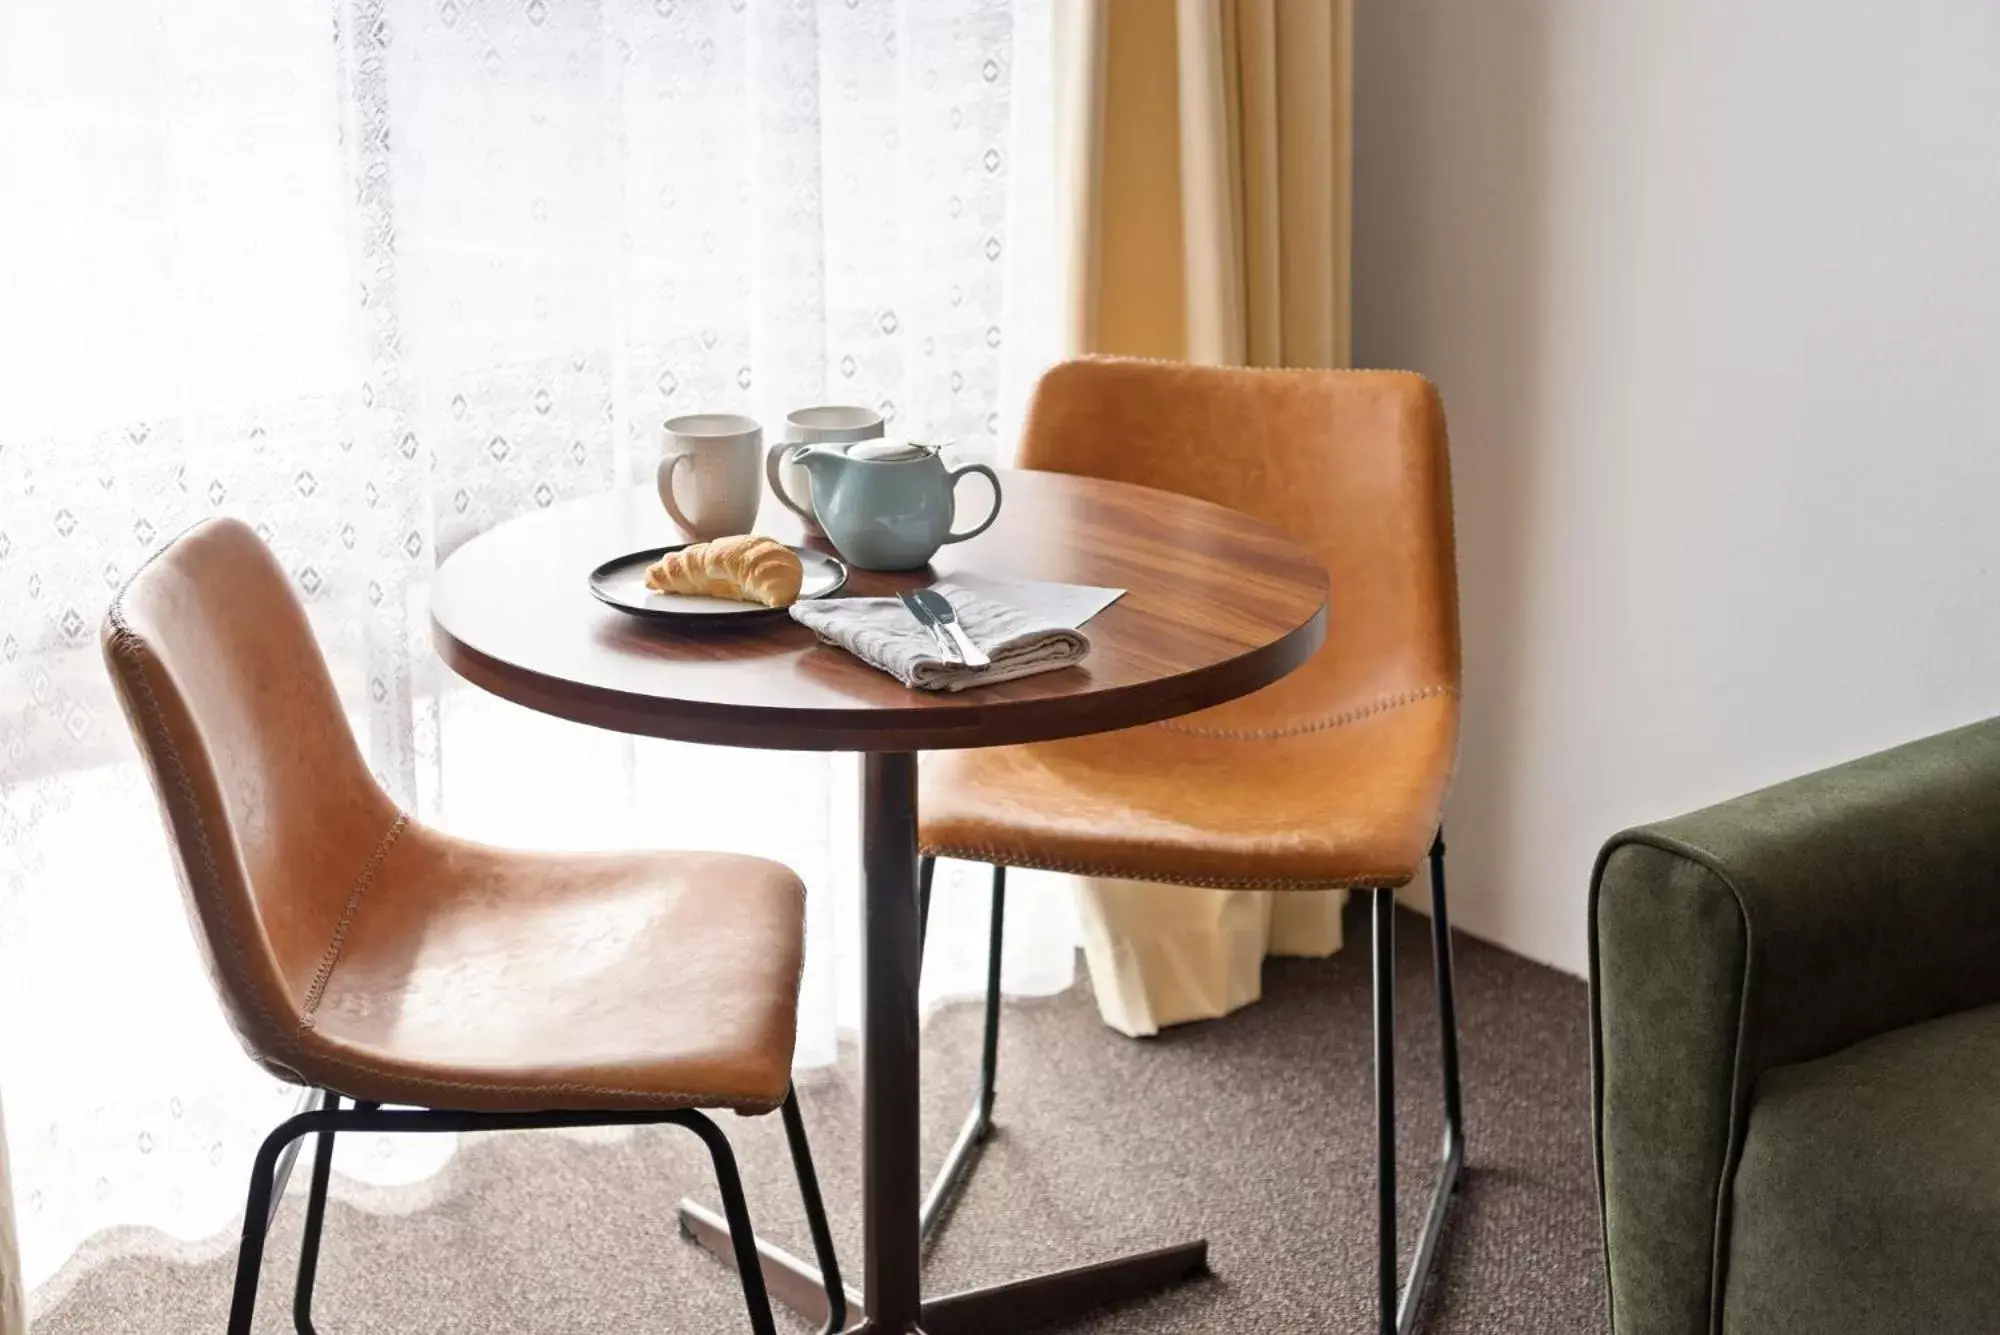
point(882, 633)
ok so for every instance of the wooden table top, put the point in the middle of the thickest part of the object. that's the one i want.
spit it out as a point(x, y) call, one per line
point(1219, 605)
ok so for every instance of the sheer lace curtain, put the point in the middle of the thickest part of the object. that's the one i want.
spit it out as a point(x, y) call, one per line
point(377, 275)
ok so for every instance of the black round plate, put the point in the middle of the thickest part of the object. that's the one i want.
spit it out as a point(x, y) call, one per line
point(621, 582)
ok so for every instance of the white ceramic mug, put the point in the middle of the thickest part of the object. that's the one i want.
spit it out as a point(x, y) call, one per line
point(828, 425)
point(708, 474)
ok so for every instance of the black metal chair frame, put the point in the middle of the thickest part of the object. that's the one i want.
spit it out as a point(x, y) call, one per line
point(320, 1114)
point(1398, 1303)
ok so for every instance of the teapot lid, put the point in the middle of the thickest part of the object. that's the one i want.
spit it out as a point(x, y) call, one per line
point(887, 451)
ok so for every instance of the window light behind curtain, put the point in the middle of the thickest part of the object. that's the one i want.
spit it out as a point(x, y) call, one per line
point(377, 276)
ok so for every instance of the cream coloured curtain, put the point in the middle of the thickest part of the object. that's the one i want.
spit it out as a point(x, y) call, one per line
point(1204, 159)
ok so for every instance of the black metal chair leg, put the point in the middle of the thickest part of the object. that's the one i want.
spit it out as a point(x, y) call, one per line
point(822, 1233)
point(989, 1047)
point(1384, 909)
point(322, 1173)
point(1397, 1303)
point(265, 1178)
point(274, 1159)
point(1398, 1312)
point(972, 1136)
point(1454, 1117)
point(315, 1225)
point(742, 1236)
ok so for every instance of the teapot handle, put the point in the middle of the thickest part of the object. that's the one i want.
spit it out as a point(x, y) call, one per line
point(994, 480)
point(776, 455)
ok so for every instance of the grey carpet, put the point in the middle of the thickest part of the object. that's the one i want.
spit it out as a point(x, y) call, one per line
point(1255, 1131)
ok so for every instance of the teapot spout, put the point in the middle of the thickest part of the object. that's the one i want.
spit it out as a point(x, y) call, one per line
point(816, 458)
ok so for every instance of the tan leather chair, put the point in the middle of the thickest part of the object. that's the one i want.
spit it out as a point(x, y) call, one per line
point(371, 959)
point(1333, 777)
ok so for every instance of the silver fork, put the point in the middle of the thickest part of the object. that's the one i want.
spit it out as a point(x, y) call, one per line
point(930, 623)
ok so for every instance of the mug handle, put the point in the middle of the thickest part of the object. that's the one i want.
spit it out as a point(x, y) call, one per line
point(664, 475)
point(994, 480)
point(772, 458)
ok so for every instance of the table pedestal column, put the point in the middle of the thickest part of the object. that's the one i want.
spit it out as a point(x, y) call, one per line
point(891, 961)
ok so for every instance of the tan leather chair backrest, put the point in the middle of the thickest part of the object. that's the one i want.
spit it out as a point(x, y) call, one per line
point(1353, 464)
point(271, 811)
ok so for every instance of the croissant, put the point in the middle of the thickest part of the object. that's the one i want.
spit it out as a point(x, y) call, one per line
point(746, 568)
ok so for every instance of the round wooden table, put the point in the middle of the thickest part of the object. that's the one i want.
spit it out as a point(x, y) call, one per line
point(1218, 605)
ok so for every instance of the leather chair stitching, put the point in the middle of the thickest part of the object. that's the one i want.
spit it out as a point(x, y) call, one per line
point(1001, 858)
point(324, 974)
point(130, 646)
point(1341, 720)
point(661, 1098)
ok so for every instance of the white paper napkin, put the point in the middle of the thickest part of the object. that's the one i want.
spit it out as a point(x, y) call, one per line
point(882, 633)
point(1058, 604)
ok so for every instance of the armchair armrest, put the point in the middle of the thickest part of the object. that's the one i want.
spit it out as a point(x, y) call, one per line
point(1771, 929)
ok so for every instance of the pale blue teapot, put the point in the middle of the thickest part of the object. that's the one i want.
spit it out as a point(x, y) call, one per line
point(887, 505)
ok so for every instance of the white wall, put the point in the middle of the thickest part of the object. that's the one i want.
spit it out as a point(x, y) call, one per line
point(1712, 290)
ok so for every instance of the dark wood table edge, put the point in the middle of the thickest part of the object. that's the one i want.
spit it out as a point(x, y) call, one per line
point(866, 729)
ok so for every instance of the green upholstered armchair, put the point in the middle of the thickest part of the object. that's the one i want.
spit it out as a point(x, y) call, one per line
point(1795, 1004)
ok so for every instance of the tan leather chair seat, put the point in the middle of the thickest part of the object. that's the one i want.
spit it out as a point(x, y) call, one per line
point(1351, 800)
point(1333, 776)
point(483, 978)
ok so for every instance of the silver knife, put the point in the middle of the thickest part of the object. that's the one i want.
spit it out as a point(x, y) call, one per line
point(928, 622)
point(946, 615)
